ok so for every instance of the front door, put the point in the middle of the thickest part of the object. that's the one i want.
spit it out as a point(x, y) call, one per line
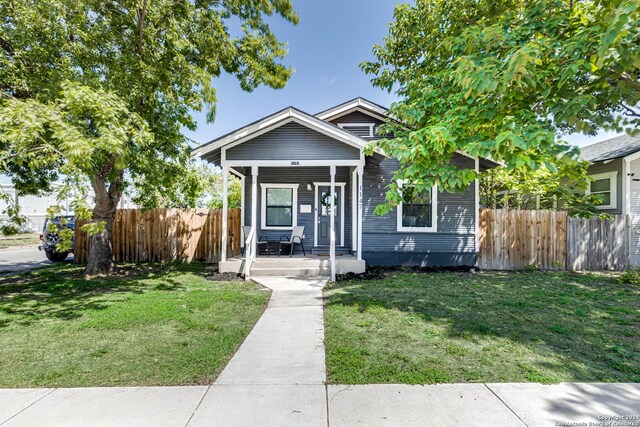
point(323, 211)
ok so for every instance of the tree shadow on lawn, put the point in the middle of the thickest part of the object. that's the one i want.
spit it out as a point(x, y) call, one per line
point(589, 321)
point(62, 293)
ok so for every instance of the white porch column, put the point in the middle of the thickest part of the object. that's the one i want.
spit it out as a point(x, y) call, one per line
point(254, 206)
point(225, 206)
point(332, 232)
point(360, 174)
point(354, 210)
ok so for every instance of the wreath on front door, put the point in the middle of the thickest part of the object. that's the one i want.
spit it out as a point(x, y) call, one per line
point(326, 202)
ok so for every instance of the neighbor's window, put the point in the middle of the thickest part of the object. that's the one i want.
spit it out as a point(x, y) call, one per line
point(418, 210)
point(605, 186)
point(278, 205)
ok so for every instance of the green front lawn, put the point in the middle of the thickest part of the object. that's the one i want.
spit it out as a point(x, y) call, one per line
point(149, 325)
point(483, 327)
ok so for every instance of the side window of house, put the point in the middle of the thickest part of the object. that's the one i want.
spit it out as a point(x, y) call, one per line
point(418, 211)
point(604, 185)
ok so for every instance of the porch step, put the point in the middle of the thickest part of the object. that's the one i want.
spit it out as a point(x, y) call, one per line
point(291, 267)
point(312, 265)
point(290, 271)
point(286, 262)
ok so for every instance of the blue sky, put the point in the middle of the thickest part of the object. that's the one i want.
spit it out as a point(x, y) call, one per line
point(325, 48)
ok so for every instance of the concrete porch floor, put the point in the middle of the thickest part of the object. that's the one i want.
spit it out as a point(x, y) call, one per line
point(298, 265)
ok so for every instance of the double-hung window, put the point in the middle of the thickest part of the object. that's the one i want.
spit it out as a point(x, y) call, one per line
point(279, 206)
point(605, 185)
point(419, 209)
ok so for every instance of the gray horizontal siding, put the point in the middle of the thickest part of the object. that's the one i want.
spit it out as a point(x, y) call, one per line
point(456, 217)
point(301, 176)
point(610, 166)
point(293, 142)
point(446, 259)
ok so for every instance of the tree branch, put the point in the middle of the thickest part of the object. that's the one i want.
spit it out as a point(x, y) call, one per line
point(629, 111)
point(141, 14)
point(6, 46)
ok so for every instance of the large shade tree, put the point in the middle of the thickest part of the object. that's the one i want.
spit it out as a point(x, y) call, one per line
point(502, 80)
point(100, 90)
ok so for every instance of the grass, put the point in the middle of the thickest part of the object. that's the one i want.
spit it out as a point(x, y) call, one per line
point(29, 239)
point(542, 327)
point(147, 325)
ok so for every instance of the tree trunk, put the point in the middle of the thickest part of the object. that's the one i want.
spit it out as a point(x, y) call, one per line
point(100, 260)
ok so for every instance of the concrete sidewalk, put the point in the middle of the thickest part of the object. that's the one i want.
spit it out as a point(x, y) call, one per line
point(298, 405)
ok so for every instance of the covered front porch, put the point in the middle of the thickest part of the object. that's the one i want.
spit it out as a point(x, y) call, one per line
point(285, 200)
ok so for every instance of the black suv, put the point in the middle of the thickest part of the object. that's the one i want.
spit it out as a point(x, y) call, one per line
point(50, 238)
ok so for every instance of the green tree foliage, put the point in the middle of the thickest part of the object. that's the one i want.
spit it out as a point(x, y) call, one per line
point(501, 79)
point(540, 189)
point(200, 187)
point(99, 91)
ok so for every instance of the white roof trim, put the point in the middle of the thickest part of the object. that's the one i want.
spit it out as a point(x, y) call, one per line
point(352, 105)
point(275, 121)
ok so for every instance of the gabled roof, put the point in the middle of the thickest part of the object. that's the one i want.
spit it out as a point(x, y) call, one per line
point(614, 148)
point(361, 104)
point(282, 117)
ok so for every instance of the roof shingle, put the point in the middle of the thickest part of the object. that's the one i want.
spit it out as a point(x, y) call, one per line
point(614, 148)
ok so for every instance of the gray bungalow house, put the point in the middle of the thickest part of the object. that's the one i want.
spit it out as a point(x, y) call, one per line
point(291, 162)
point(615, 170)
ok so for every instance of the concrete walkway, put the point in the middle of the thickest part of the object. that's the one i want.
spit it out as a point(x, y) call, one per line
point(277, 376)
point(277, 379)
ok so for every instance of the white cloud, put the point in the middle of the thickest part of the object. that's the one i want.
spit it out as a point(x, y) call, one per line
point(326, 80)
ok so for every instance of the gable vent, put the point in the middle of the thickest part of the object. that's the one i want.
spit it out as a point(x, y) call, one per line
point(363, 130)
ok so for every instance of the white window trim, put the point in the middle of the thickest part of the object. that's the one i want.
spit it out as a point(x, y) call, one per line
point(434, 215)
point(613, 188)
point(370, 125)
point(263, 207)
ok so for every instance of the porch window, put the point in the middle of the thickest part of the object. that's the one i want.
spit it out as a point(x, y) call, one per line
point(279, 203)
point(418, 211)
point(605, 185)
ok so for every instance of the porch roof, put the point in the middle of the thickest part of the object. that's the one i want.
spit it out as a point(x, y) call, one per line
point(211, 150)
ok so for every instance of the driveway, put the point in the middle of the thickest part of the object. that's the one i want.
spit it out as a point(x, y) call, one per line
point(22, 259)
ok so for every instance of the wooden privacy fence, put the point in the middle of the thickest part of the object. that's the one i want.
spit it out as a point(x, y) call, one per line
point(595, 244)
point(515, 239)
point(167, 235)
